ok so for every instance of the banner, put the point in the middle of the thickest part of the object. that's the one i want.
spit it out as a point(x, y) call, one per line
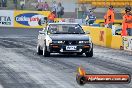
point(6, 18)
point(29, 19)
point(127, 42)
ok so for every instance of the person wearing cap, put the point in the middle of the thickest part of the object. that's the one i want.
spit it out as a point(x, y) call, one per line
point(110, 17)
point(127, 21)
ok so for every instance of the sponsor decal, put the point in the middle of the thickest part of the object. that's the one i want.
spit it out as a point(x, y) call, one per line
point(5, 20)
point(127, 41)
point(101, 38)
point(29, 19)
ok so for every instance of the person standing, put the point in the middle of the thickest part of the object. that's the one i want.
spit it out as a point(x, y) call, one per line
point(4, 3)
point(127, 22)
point(84, 10)
point(54, 7)
point(22, 4)
point(39, 6)
point(0, 3)
point(90, 18)
point(60, 10)
point(110, 17)
point(45, 6)
point(15, 3)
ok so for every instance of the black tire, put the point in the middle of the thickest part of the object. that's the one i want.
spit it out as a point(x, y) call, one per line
point(89, 54)
point(40, 52)
point(79, 54)
point(45, 52)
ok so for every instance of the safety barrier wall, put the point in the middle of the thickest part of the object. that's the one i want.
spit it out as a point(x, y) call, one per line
point(117, 42)
point(103, 37)
point(100, 35)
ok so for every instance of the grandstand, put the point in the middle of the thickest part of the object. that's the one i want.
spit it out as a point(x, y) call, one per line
point(102, 3)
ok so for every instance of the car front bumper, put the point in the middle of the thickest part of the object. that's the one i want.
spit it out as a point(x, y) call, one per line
point(60, 48)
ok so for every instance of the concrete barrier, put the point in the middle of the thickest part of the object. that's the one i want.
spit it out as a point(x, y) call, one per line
point(117, 42)
point(100, 35)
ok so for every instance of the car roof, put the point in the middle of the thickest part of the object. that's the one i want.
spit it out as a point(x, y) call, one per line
point(62, 23)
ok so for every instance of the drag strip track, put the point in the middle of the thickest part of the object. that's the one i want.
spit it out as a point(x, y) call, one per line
point(21, 67)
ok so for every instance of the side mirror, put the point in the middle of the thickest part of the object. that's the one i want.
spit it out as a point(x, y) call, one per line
point(87, 32)
point(43, 21)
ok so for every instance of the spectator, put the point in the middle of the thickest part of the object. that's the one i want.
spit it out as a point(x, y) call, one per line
point(110, 17)
point(45, 6)
point(84, 10)
point(127, 22)
point(39, 6)
point(0, 3)
point(15, 3)
point(54, 7)
point(4, 3)
point(51, 17)
point(22, 4)
point(60, 10)
point(90, 19)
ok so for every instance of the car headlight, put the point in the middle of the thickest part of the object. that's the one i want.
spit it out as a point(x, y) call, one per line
point(60, 41)
point(57, 41)
point(83, 41)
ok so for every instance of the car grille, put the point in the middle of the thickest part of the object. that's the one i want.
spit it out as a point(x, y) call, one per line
point(71, 42)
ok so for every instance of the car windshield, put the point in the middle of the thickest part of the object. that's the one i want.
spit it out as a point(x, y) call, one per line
point(65, 29)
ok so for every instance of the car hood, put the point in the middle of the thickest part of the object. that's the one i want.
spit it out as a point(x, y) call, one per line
point(69, 37)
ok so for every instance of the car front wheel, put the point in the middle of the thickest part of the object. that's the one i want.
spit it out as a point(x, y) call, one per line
point(39, 51)
point(90, 53)
point(45, 52)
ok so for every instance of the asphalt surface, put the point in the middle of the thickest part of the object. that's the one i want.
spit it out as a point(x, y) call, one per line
point(21, 67)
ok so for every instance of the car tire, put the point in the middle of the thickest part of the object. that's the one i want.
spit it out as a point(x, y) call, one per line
point(45, 52)
point(39, 51)
point(90, 53)
point(79, 54)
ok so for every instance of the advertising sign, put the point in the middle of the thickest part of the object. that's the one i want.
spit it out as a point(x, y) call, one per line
point(29, 19)
point(127, 41)
point(6, 18)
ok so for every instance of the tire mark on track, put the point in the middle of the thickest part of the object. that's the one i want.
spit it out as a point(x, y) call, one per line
point(56, 63)
point(11, 79)
point(13, 43)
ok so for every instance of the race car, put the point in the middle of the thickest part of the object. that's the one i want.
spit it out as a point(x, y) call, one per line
point(65, 38)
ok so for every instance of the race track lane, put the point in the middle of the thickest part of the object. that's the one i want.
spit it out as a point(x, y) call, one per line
point(21, 67)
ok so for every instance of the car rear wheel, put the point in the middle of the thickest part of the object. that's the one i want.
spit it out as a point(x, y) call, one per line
point(39, 51)
point(45, 52)
point(89, 54)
